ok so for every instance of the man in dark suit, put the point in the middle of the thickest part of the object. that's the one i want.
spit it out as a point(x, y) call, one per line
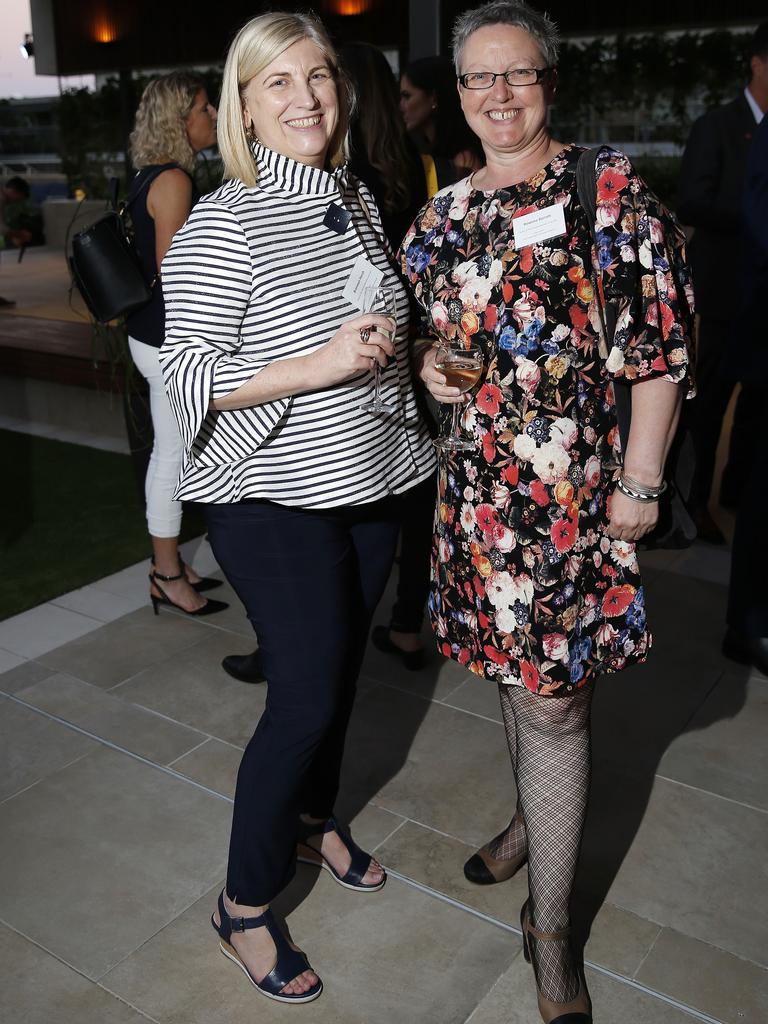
point(746, 639)
point(710, 200)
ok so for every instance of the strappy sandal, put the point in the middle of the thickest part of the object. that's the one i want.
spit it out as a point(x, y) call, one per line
point(578, 1010)
point(210, 607)
point(288, 965)
point(360, 860)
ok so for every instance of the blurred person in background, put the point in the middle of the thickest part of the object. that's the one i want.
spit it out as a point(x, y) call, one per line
point(431, 111)
point(746, 638)
point(383, 155)
point(174, 122)
point(536, 585)
point(710, 197)
point(21, 218)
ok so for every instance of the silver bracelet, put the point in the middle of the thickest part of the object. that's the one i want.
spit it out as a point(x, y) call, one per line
point(647, 489)
point(642, 496)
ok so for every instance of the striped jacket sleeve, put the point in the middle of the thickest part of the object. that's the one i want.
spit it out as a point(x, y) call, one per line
point(207, 287)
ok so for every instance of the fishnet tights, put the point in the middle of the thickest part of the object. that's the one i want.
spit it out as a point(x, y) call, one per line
point(549, 740)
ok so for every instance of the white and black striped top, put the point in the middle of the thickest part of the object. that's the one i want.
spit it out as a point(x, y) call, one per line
point(255, 276)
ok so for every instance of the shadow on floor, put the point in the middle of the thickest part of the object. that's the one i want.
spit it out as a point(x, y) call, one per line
point(638, 714)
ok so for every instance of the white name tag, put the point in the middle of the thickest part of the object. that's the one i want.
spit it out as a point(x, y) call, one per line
point(361, 287)
point(539, 225)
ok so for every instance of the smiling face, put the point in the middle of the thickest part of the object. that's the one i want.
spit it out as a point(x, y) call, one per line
point(293, 104)
point(416, 105)
point(201, 123)
point(507, 119)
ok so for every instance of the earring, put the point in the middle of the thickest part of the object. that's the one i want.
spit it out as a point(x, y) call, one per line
point(250, 133)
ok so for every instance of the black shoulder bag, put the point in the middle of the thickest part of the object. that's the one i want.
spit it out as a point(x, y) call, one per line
point(104, 263)
point(675, 528)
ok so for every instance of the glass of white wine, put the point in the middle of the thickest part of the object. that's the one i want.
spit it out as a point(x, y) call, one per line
point(385, 303)
point(461, 366)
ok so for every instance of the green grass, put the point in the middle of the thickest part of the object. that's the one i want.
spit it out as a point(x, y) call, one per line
point(70, 515)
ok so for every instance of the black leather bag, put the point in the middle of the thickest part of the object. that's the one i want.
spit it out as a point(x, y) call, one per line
point(104, 263)
point(675, 528)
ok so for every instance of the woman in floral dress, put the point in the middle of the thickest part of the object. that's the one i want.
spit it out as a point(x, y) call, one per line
point(536, 584)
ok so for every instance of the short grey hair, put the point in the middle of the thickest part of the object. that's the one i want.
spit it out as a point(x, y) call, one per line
point(508, 12)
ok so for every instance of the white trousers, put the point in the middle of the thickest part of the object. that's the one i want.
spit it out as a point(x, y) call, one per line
point(163, 513)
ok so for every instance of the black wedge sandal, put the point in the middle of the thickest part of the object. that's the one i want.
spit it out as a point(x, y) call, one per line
point(289, 963)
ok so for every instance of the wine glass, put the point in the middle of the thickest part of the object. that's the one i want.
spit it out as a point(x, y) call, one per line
point(461, 366)
point(384, 303)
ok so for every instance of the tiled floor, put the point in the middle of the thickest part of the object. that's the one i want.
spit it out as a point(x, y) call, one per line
point(120, 738)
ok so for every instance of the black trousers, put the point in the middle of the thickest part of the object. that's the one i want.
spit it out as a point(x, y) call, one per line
point(310, 581)
point(747, 598)
point(714, 386)
point(418, 515)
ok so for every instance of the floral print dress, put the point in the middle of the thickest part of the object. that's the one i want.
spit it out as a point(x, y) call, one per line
point(527, 586)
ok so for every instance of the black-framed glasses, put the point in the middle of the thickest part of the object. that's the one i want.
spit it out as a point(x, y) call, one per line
point(517, 76)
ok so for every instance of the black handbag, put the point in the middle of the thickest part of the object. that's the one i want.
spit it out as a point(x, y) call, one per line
point(675, 528)
point(105, 265)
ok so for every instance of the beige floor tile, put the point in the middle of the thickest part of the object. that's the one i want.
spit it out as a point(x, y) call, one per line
point(99, 604)
point(32, 746)
point(437, 861)
point(732, 990)
point(697, 865)
point(111, 718)
point(39, 989)
point(42, 629)
point(9, 661)
point(25, 674)
point(119, 650)
point(724, 749)
point(130, 582)
point(478, 696)
point(365, 949)
point(439, 677)
point(100, 855)
point(618, 940)
point(372, 826)
point(513, 1001)
point(191, 687)
point(428, 762)
point(213, 764)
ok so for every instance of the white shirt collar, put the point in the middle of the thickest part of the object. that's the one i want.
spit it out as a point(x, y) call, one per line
point(758, 114)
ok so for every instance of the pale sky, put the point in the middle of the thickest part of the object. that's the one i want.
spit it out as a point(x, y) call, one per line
point(17, 76)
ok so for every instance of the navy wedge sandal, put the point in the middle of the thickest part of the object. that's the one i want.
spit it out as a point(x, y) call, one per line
point(360, 860)
point(288, 966)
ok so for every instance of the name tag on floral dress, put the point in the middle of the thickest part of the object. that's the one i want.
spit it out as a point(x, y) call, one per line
point(539, 225)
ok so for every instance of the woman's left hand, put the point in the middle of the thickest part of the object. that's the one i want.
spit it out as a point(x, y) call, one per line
point(629, 519)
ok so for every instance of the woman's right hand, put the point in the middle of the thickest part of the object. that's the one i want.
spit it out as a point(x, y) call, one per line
point(434, 381)
point(346, 354)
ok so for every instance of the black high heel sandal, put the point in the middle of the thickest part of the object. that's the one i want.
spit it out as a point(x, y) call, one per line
point(209, 608)
point(203, 584)
point(360, 861)
point(578, 1010)
point(289, 963)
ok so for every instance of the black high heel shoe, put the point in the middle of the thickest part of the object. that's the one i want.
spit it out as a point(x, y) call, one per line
point(413, 660)
point(209, 608)
point(578, 1010)
point(288, 965)
point(203, 584)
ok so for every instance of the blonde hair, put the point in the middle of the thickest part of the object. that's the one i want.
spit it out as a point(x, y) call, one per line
point(255, 46)
point(160, 133)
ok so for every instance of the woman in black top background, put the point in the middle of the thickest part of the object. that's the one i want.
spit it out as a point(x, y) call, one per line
point(174, 122)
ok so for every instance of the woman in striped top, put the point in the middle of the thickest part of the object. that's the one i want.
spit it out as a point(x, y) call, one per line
point(267, 365)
